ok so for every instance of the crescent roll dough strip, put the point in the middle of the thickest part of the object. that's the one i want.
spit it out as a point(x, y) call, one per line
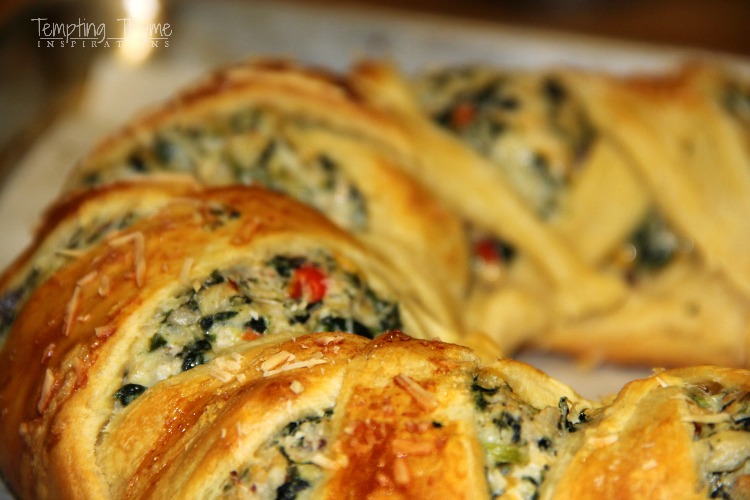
point(160, 328)
point(515, 311)
point(297, 131)
point(431, 156)
point(453, 171)
point(75, 224)
point(662, 322)
point(689, 154)
point(421, 439)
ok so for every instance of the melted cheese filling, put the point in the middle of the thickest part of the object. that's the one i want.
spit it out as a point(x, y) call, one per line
point(252, 146)
point(721, 423)
point(528, 126)
point(520, 442)
point(74, 241)
point(281, 293)
point(287, 466)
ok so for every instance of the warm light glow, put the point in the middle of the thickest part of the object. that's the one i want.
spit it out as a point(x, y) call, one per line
point(140, 15)
point(142, 10)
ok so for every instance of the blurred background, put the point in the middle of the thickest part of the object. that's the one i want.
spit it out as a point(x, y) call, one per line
point(721, 25)
point(38, 83)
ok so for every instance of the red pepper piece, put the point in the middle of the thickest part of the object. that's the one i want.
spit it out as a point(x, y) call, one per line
point(487, 250)
point(251, 334)
point(462, 115)
point(308, 282)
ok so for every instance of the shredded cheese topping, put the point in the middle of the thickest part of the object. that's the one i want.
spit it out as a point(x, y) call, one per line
point(424, 399)
point(187, 265)
point(139, 253)
point(296, 387)
point(105, 331)
point(294, 366)
point(602, 441)
point(103, 286)
point(276, 360)
point(44, 397)
point(70, 310)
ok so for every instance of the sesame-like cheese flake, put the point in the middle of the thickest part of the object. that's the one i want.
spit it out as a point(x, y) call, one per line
point(651, 464)
point(49, 380)
point(401, 473)
point(424, 399)
point(104, 285)
point(602, 441)
point(90, 277)
point(220, 374)
point(324, 462)
point(139, 253)
point(187, 265)
point(404, 447)
point(294, 366)
point(105, 331)
point(70, 310)
point(296, 387)
point(276, 360)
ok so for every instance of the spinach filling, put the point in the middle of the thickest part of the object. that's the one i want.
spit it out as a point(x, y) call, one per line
point(79, 239)
point(519, 441)
point(651, 248)
point(530, 127)
point(12, 300)
point(284, 293)
point(285, 468)
point(723, 443)
point(254, 145)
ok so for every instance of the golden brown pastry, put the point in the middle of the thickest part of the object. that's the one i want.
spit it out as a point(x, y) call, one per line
point(73, 225)
point(334, 415)
point(645, 179)
point(307, 133)
point(173, 333)
point(688, 288)
point(198, 272)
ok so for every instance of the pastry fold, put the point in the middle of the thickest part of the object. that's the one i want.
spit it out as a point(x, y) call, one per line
point(308, 133)
point(646, 178)
point(200, 271)
point(336, 415)
point(287, 283)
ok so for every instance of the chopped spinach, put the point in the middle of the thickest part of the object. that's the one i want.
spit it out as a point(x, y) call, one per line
point(655, 244)
point(207, 321)
point(157, 341)
point(285, 265)
point(508, 421)
point(349, 325)
point(292, 485)
point(137, 163)
point(480, 392)
point(128, 393)
point(214, 279)
point(192, 354)
point(258, 325)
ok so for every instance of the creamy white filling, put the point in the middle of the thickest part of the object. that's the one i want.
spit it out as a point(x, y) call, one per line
point(282, 293)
